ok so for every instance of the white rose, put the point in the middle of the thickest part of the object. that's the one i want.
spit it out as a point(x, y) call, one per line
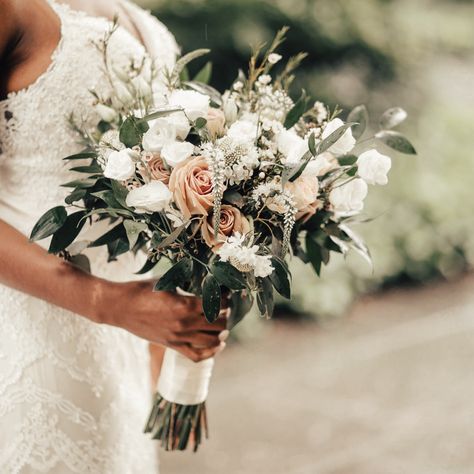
point(195, 105)
point(373, 167)
point(321, 165)
point(292, 146)
point(152, 197)
point(350, 197)
point(244, 129)
point(160, 133)
point(107, 114)
point(120, 165)
point(345, 144)
point(175, 153)
point(181, 122)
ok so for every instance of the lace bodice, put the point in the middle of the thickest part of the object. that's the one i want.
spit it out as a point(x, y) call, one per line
point(73, 395)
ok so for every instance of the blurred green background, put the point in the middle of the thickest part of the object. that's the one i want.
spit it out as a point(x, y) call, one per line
point(415, 54)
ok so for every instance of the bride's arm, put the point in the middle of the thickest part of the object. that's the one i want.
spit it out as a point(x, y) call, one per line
point(164, 318)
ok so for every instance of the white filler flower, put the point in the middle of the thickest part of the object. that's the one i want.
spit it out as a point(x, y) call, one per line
point(175, 153)
point(373, 167)
point(152, 197)
point(120, 165)
point(349, 198)
point(195, 105)
point(345, 144)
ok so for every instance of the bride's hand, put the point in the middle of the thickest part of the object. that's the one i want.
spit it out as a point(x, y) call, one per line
point(163, 317)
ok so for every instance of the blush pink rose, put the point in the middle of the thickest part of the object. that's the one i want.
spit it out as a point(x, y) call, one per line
point(191, 185)
point(231, 221)
point(158, 170)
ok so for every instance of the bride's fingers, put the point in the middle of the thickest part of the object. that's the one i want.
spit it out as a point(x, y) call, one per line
point(201, 338)
point(200, 324)
point(196, 354)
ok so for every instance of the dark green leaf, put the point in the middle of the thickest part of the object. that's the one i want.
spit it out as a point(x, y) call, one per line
point(116, 248)
point(329, 141)
point(133, 229)
point(281, 277)
point(392, 117)
point(94, 168)
point(241, 303)
point(108, 198)
point(75, 196)
point(347, 160)
point(49, 223)
point(265, 298)
point(177, 275)
point(396, 141)
point(234, 197)
point(81, 156)
point(211, 298)
point(147, 267)
point(204, 75)
point(81, 183)
point(228, 276)
point(359, 115)
point(120, 192)
point(110, 236)
point(297, 110)
point(312, 144)
point(297, 171)
point(317, 255)
point(65, 236)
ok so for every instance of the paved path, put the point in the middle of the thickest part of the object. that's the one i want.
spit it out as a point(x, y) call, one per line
point(390, 390)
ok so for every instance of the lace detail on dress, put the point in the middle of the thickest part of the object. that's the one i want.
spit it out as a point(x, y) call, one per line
point(74, 395)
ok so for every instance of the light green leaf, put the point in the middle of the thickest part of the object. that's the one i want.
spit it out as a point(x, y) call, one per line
point(392, 117)
point(329, 141)
point(360, 116)
point(204, 75)
point(133, 229)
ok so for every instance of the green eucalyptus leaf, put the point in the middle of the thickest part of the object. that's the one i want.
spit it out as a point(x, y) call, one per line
point(132, 130)
point(211, 298)
point(133, 229)
point(94, 168)
point(292, 174)
point(228, 276)
point(185, 60)
point(171, 238)
point(81, 261)
point(360, 116)
point(317, 254)
point(204, 75)
point(329, 141)
point(200, 122)
point(347, 160)
point(397, 141)
point(178, 274)
point(297, 110)
point(234, 197)
point(161, 113)
point(281, 278)
point(120, 192)
point(66, 235)
point(392, 117)
point(50, 222)
point(312, 144)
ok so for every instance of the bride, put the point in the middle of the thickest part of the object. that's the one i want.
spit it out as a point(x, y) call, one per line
point(75, 380)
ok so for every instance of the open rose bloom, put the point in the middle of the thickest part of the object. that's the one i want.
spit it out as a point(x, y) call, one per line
point(225, 187)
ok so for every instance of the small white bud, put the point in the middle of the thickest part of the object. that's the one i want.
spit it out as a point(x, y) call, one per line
point(107, 114)
point(274, 58)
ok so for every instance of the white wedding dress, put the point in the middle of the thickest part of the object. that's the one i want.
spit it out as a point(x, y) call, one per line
point(74, 395)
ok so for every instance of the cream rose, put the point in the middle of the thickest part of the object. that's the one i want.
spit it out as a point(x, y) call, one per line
point(191, 185)
point(231, 221)
point(215, 122)
point(349, 198)
point(373, 167)
point(304, 190)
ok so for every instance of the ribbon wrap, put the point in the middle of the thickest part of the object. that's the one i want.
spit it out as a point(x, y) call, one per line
point(183, 381)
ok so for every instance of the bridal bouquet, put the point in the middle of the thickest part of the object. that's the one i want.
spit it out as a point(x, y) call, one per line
point(226, 187)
